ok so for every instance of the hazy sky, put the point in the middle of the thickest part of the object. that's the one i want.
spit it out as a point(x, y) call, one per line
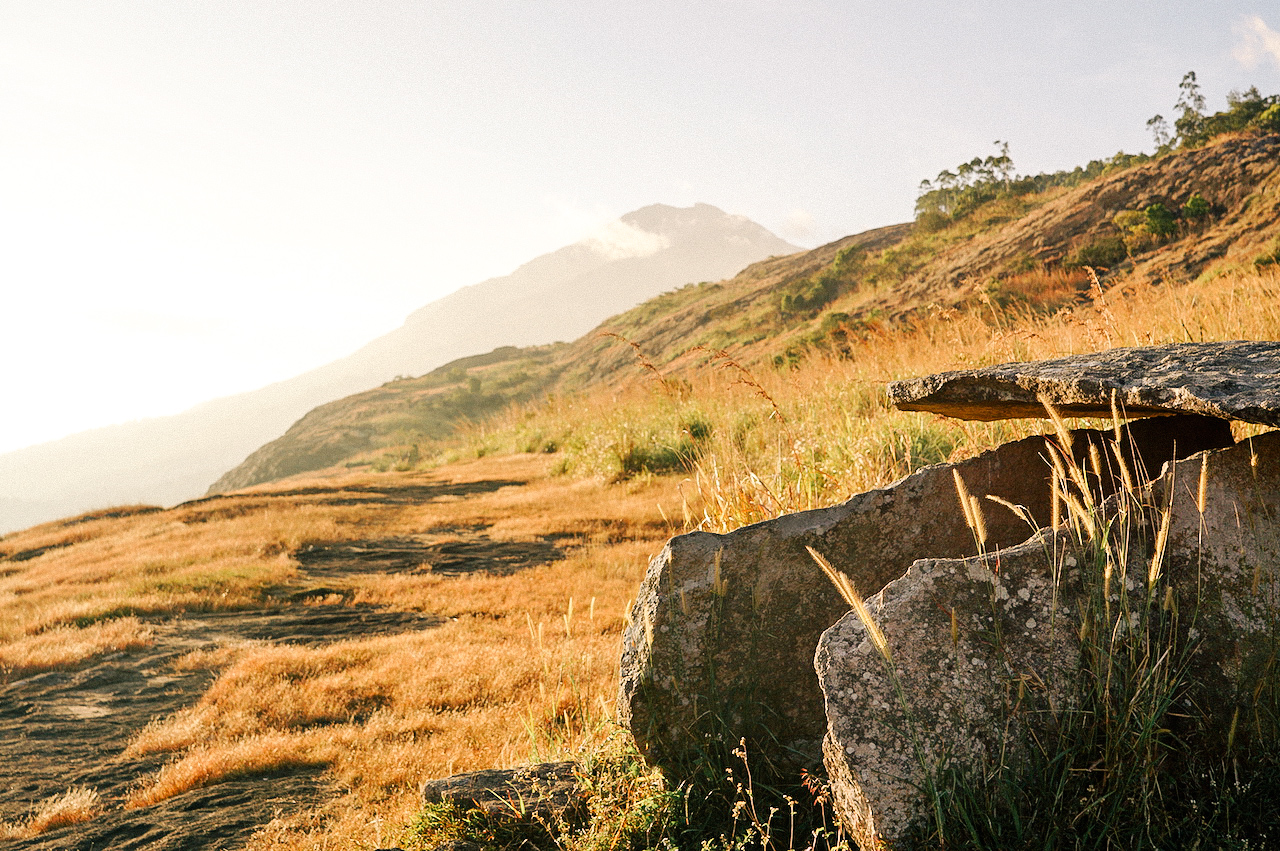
point(198, 198)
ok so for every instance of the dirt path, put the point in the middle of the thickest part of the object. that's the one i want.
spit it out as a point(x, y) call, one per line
point(69, 728)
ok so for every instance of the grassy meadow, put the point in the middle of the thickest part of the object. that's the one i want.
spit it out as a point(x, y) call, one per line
point(523, 666)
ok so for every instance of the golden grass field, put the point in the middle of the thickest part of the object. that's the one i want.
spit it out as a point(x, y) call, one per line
point(524, 667)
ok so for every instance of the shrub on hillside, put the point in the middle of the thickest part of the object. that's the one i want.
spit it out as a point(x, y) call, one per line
point(1269, 119)
point(1103, 253)
point(1142, 230)
point(1196, 207)
point(821, 289)
point(1270, 257)
point(1160, 221)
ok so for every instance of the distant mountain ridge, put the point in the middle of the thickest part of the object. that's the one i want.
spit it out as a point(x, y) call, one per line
point(558, 296)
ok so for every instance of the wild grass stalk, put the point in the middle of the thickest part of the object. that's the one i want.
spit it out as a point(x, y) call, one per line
point(78, 804)
point(1124, 762)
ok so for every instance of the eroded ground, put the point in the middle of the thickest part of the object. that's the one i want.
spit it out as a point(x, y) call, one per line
point(410, 555)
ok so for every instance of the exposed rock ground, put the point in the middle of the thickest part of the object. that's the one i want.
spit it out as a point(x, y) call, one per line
point(65, 728)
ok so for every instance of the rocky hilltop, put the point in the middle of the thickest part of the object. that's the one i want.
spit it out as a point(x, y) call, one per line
point(1236, 176)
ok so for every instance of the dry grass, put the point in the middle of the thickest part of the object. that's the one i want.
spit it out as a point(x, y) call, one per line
point(159, 563)
point(386, 713)
point(788, 440)
point(78, 804)
point(525, 665)
point(65, 646)
point(205, 765)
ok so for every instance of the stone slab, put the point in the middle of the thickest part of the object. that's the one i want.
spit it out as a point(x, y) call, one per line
point(543, 791)
point(1238, 380)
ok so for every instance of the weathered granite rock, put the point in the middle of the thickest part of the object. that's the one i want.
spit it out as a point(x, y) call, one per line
point(1225, 566)
point(545, 791)
point(1236, 380)
point(723, 631)
point(951, 680)
point(945, 692)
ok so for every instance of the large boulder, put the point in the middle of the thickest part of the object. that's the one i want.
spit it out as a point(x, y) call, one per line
point(1237, 380)
point(962, 636)
point(721, 639)
point(940, 689)
point(1223, 558)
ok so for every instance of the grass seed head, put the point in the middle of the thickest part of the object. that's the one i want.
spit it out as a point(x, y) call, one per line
point(847, 590)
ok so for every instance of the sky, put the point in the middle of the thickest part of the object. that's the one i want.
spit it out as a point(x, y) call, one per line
point(201, 198)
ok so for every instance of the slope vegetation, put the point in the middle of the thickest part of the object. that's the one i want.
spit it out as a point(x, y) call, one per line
point(1028, 250)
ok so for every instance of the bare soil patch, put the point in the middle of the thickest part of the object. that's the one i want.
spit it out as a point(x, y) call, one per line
point(471, 552)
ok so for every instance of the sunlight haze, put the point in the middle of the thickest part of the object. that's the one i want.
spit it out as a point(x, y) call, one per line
point(198, 199)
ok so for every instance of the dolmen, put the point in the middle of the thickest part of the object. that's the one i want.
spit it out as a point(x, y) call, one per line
point(972, 576)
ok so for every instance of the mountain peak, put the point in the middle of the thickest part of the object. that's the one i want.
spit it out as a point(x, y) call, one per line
point(664, 218)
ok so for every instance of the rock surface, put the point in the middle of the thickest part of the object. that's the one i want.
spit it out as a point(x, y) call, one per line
point(943, 692)
point(545, 791)
point(1237, 380)
point(965, 635)
point(722, 636)
point(1224, 563)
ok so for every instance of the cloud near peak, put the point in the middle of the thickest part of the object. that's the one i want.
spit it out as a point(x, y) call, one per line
point(619, 240)
point(1257, 43)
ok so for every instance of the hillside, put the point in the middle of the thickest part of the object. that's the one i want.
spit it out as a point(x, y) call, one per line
point(1025, 250)
point(558, 296)
point(431, 406)
point(283, 666)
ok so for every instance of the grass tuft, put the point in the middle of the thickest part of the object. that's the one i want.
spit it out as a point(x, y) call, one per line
point(78, 804)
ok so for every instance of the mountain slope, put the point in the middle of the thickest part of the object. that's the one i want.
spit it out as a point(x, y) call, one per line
point(466, 390)
point(1016, 248)
point(558, 296)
